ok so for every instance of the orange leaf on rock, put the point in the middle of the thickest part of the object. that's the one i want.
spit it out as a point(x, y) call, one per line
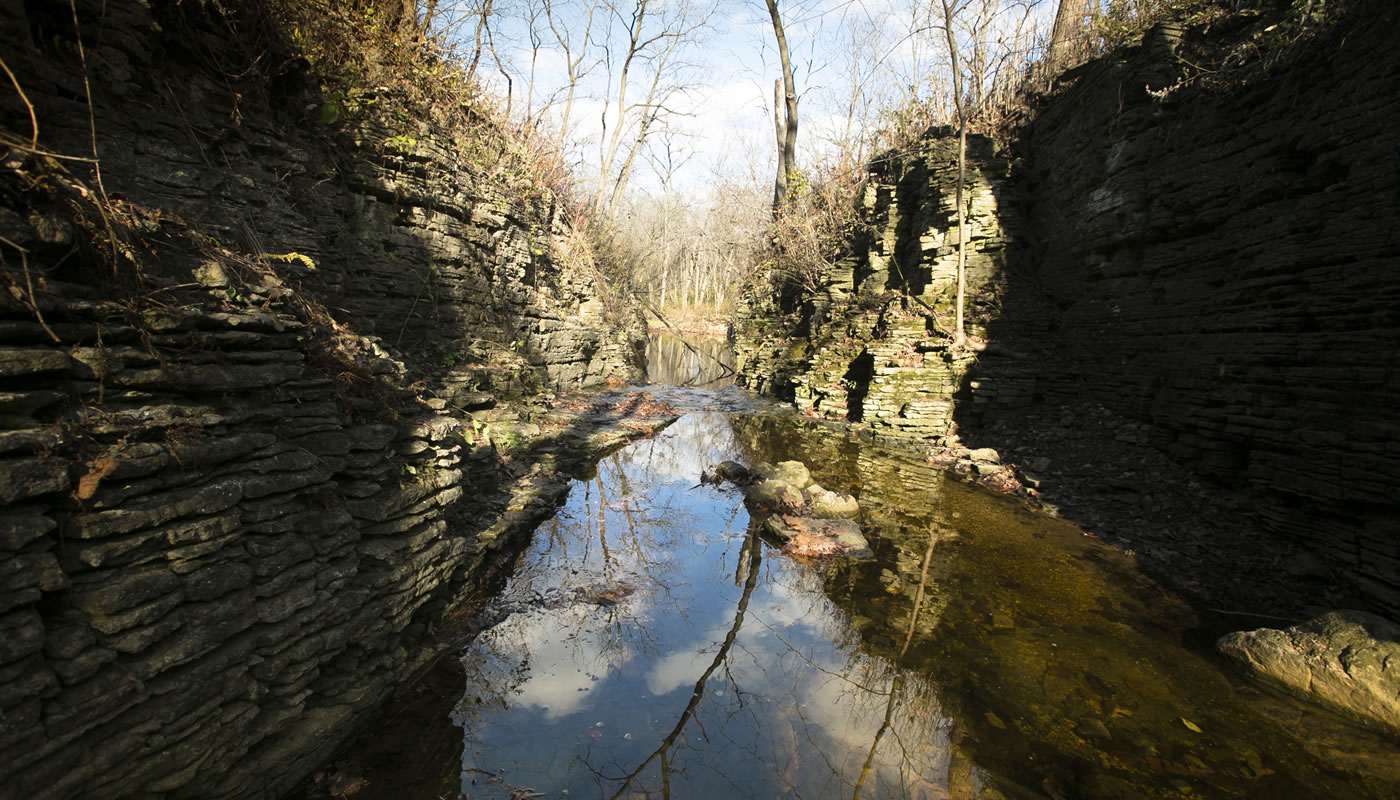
point(100, 468)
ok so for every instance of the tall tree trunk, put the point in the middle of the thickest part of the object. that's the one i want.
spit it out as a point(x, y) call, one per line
point(1069, 25)
point(959, 334)
point(787, 145)
point(780, 182)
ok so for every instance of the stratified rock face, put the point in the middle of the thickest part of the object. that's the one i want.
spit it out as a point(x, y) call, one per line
point(1346, 660)
point(1219, 265)
point(1214, 264)
point(225, 535)
point(851, 351)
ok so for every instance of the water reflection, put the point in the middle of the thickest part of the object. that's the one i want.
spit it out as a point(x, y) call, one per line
point(694, 361)
point(1063, 670)
point(654, 645)
point(725, 668)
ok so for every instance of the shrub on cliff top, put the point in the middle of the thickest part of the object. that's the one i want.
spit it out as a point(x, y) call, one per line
point(382, 61)
point(815, 229)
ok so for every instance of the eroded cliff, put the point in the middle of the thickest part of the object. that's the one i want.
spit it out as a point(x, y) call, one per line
point(275, 364)
point(1194, 251)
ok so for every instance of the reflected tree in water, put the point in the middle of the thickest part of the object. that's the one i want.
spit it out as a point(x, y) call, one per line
point(978, 636)
point(698, 362)
point(749, 561)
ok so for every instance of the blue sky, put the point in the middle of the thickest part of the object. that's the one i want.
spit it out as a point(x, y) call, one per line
point(852, 59)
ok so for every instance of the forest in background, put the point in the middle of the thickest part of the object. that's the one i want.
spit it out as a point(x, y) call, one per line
point(652, 121)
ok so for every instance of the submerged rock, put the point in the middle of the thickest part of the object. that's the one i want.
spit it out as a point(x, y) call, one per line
point(813, 538)
point(604, 594)
point(1346, 660)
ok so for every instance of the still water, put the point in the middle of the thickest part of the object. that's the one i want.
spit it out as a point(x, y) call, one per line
point(698, 362)
point(651, 644)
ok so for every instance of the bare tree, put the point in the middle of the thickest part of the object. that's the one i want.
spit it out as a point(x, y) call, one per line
point(784, 120)
point(482, 12)
point(575, 52)
point(651, 43)
point(959, 332)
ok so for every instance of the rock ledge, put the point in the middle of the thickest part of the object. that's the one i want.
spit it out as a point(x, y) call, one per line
point(1348, 661)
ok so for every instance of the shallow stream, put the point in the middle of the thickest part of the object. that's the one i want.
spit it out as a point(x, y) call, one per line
point(651, 644)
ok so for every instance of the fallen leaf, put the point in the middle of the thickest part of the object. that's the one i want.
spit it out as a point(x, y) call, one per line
point(1190, 725)
point(99, 469)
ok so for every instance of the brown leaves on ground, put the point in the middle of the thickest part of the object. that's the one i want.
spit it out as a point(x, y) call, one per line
point(812, 545)
point(810, 539)
point(1004, 482)
point(631, 404)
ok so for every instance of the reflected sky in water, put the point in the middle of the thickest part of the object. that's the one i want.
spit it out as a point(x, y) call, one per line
point(651, 645)
point(724, 669)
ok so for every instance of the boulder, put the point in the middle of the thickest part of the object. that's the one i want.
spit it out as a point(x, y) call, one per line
point(731, 471)
point(984, 455)
point(1346, 660)
point(848, 535)
point(793, 472)
point(833, 505)
point(803, 536)
point(775, 493)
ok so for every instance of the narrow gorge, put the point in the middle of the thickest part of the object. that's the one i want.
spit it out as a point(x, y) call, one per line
point(300, 352)
point(273, 396)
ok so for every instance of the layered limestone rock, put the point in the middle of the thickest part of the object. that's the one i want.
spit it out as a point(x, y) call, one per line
point(1209, 261)
point(872, 345)
point(271, 403)
point(1205, 255)
point(1346, 660)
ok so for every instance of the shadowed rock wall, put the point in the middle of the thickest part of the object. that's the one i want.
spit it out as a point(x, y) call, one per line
point(241, 493)
point(1211, 259)
point(1222, 265)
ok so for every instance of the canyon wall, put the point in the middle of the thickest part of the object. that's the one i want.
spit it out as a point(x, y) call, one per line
point(1222, 264)
point(870, 344)
point(1210, 257)
point(273, 397)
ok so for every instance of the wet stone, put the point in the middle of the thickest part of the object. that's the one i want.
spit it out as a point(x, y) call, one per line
point(775, 493)
point(833, 505)
point(794, 473)
point(732, 471)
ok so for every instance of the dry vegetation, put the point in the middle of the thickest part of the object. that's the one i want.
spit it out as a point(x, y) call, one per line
point(1008, 64)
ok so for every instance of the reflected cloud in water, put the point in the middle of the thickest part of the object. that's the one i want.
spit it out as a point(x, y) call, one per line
point(654, 645)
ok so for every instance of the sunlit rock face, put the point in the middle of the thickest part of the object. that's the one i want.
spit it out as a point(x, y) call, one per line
point(870, 344)
point(241, 490)
point(1347, 660)
point(1210, 265)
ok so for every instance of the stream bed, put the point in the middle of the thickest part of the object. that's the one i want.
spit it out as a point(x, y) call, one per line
point(650, 643)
